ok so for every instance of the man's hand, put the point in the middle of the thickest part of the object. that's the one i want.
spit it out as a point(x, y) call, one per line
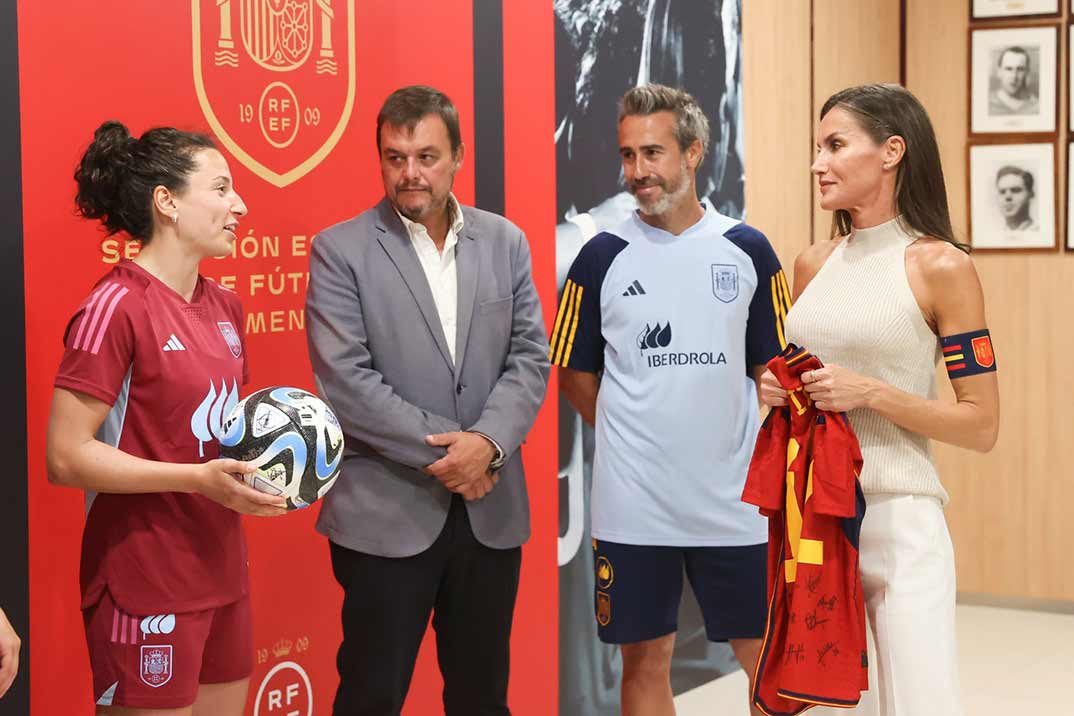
point(466, 463)
point(9, 653)
point(483, 486)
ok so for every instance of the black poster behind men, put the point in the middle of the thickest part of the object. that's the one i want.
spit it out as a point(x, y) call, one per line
point(603, 48)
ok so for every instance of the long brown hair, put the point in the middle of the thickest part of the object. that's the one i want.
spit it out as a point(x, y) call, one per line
point(887, 110)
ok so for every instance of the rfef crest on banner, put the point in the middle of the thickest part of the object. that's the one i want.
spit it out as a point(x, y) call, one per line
point(275, 79)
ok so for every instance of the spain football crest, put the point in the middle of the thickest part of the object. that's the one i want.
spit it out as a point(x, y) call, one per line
point(604, 609)
point(231, 336)
point(275, 79)
point(982, 351)
point(156, 665)
point(725, 282)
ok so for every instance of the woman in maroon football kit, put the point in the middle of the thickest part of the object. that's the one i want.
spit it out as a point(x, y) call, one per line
point(890, 295)
point(153, 362)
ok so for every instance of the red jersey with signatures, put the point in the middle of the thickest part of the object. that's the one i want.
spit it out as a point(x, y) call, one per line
point(803, 476)
point(171, 370)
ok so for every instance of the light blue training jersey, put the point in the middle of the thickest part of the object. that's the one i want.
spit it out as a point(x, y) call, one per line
point(674, 325)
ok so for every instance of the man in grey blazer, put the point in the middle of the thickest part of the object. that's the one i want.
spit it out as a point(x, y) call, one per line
point(426, 337)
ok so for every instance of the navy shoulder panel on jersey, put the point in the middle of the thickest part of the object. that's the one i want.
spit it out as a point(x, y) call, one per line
point(756, 246)
point(772, 300)
point(577, 341)
point(599, 252)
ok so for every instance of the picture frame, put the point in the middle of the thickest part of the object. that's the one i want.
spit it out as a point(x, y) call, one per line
point(1070, 197)
point(1013, 200)
point(1070, 78)
point(1013, 9)
point(1014, 80)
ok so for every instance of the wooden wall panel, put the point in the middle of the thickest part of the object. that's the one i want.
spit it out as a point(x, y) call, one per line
point(854, 42)
point(796, 54)
point(1010, 509)
point(777, 109)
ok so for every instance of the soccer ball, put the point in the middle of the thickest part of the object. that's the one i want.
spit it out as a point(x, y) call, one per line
point(293, 439)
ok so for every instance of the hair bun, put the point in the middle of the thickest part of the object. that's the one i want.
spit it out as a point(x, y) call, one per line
point(113, 142)
point(102, 174)
point(118, 174)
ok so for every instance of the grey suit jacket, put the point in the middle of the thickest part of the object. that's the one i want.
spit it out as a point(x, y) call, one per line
point(381, 361)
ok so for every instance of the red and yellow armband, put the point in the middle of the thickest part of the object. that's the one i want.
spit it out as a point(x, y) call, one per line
point(968, 354)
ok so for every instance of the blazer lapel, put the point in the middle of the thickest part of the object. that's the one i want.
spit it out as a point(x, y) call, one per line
point(467, 265)
point(397, 244)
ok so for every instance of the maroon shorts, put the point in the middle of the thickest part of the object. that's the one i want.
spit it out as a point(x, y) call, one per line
point(157, 661)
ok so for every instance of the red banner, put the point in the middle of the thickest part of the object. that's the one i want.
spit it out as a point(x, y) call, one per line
point(291, 90)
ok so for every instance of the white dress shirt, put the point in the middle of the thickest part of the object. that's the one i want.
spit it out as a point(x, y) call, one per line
point(439, 268)
point(443, 278)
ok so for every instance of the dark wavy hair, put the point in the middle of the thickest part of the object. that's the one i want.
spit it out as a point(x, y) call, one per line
point(118, 173)
point(888, 110)
point(1026, 177)
point(405, 107)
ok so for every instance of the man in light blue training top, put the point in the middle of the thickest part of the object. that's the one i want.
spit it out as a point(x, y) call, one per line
point(664, 326)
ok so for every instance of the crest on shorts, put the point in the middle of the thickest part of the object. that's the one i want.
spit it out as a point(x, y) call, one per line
point(231, 336)
point(156, 665)
point(605, 574)
point(275, 80)
point(604, 609)
point(982, 352)
point(725, 282)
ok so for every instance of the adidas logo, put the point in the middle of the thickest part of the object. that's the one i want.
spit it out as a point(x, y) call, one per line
point(173, 344)
point(634, 290)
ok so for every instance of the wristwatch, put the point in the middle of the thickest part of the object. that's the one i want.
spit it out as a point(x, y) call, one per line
point(499, 458)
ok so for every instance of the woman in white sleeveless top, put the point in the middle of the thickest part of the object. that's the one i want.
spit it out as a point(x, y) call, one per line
point(880, 303)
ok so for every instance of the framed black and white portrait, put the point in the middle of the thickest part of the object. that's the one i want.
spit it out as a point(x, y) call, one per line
point(989, 9)
point(1013, 80)
point(1012, 196)
point(1070, 197)
point(1070, 78)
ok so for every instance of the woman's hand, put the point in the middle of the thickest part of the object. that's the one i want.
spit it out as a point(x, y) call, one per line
point(772, 393)
point(221, 481)
point(836, 389)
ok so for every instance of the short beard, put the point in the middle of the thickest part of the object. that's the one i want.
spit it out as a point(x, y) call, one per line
point(671, 199)
point(417, 213)
point(413, 214)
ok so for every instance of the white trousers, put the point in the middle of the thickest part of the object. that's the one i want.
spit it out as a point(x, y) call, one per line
point(908, 579)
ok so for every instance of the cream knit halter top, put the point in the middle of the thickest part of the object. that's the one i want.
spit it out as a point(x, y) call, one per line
point(859, 312)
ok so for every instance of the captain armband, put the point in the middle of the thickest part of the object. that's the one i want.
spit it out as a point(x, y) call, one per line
point(968, 354)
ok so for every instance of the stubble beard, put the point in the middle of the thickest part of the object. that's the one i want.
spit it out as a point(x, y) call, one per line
point(670, 199)
point(428, 208)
